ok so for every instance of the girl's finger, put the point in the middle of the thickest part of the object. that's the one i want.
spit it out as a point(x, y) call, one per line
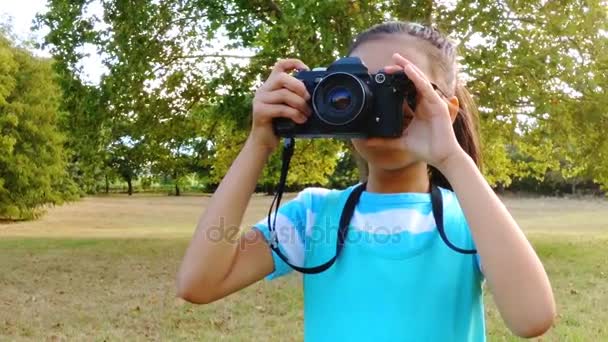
point(284, 80)
point(286, 96)
point(423, 85)
point(391, 69)
point(287, 65)
point(285, 111)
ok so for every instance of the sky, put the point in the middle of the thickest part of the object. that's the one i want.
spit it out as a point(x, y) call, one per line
point(21, 13)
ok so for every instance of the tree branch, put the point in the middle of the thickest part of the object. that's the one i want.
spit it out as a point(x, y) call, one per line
point(429, 15)
point(211, 131)
point(273, 5)
point(524, 20)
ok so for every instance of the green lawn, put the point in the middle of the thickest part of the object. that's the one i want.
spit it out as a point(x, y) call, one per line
point(104, 268)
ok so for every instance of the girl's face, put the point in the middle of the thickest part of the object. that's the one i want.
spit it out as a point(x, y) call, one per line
point(376, 54)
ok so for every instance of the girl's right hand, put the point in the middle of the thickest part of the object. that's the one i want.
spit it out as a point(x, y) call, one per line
point(282, 95)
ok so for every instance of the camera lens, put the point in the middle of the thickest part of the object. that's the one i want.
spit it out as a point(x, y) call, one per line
point(340, 98)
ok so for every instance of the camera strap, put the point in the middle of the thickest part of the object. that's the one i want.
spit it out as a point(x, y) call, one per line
point(345, 217)
point(437, 204)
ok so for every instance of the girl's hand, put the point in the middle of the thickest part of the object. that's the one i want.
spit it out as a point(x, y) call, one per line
point(282, 95)
point(430, 135)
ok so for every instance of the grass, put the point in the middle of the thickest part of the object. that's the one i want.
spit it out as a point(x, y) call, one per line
point(103, 269)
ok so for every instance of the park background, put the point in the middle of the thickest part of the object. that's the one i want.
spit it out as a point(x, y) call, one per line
point(119, 117)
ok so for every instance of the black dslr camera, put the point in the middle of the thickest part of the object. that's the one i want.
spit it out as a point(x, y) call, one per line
point(349, 102)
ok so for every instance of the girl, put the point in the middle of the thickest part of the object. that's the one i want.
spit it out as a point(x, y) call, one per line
point(395, 279)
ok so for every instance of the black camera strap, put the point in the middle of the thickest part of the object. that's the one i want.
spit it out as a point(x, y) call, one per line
point(437, 204)
point(345, 217)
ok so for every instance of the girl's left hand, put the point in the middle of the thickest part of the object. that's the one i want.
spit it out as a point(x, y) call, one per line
point(429, 135)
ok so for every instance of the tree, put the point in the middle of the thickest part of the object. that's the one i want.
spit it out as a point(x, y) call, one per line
point(175, 84)
point(126, 161)
point(536, 60)
point(32, 159)
point(84, 122)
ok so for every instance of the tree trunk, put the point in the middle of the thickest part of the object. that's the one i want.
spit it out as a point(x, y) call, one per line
point(130, 184)
point(500, 188)
point(176, 178)
point(269, 189)
point(107, 185)
point(429, 13)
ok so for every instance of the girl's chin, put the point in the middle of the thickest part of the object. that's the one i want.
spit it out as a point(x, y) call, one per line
point(388, 158)
point(388, 143)
point(391, 165)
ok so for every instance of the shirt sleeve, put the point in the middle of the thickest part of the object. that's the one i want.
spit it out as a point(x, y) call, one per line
point(290, 226)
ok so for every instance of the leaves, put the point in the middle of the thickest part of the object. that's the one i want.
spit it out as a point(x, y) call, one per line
point(32, 159)
point(174, 84)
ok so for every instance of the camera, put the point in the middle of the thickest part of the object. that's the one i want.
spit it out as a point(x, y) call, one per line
point(349, 102)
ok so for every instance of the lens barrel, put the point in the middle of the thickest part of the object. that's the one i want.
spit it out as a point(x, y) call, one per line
point(340, 98)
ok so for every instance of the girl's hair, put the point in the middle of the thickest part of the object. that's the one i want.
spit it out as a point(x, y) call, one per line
point(443, 53)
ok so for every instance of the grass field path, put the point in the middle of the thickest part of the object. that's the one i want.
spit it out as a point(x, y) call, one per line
point(102, 269)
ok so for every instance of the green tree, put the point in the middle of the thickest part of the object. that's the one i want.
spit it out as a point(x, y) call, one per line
point(32, 159)
point(84, 122)
point(126, 161)
point(537, 76)
point(536, 68)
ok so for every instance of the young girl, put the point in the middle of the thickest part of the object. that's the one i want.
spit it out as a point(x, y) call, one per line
point(395, 279)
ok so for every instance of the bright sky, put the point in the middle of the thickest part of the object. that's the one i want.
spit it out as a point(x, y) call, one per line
point(21, 12)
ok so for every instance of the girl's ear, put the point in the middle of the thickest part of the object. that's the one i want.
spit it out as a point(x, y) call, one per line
point(453, 106)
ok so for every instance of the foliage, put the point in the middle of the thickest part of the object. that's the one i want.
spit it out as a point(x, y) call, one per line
point(82, 104)
point(181, 75)
point(32, 159)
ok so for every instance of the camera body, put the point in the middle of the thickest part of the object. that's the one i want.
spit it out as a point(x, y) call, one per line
point(349, 102)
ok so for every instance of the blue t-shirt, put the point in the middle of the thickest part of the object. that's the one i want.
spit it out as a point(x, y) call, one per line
point(394, 281)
